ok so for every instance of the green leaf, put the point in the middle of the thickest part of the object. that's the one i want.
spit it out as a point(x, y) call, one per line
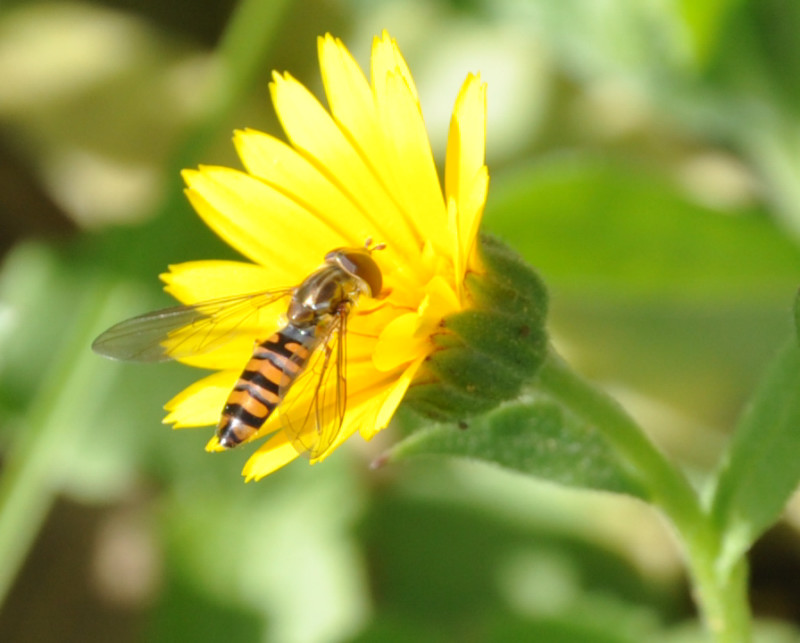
point(703, 22)
point(758, 55)
point(797, 315)
point(762, 467)
point(210, 620)
point(616, 625)
point(534, 436)
point(600, 227)
point(484, 569)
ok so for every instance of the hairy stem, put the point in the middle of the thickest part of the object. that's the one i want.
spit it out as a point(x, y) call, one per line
point(722, 599)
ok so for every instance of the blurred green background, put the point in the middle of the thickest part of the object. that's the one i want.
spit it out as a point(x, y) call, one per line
point(645, 157)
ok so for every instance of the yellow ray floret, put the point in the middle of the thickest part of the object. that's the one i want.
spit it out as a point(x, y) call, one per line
point(360, 169)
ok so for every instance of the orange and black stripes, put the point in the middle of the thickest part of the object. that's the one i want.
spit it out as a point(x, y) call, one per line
point(315, 325)
point(273, 366)
point(316, 317)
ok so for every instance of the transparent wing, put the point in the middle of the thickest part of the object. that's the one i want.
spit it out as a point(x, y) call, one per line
point(312, 411)
point(182, 331)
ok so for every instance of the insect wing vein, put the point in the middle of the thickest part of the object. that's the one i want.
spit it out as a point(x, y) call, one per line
point(312, 411)
point(182, 331)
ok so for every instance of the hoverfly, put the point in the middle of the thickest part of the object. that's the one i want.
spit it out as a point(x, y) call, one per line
point(306, 351)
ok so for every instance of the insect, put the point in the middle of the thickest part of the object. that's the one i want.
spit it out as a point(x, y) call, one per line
point(304, 359)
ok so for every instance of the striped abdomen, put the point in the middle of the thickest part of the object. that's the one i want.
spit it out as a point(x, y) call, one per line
point(272, 369)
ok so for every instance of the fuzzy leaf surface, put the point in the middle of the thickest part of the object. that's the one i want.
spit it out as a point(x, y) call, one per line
point(537, 437)
point(762, 466)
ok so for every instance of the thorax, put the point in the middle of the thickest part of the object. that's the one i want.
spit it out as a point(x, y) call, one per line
point(321, 295)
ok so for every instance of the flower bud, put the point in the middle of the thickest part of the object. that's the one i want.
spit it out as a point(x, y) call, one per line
point(485, 353)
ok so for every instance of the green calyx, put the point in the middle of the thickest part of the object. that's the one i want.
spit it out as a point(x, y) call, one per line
point(485, 354)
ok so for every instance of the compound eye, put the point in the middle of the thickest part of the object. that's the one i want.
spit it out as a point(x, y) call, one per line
point(361, 264)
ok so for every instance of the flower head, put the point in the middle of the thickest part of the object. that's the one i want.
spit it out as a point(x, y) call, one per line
point(361, 170)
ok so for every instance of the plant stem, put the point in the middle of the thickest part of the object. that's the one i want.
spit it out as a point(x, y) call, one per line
point(669, 489)
point(242, 51)
point(30, 477)
point(58, 414)
point(722, 599)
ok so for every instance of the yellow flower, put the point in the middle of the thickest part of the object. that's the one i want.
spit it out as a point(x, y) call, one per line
point(363, 170)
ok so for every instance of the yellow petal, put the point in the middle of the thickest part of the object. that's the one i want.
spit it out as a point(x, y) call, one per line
point(387, 58)
point(213, 445)
point(364, 170)
point(201, 403)
point(386, 126)
point(278, 451)
point(466, 178)
point(459, 259)
point(470, 219)
point(271, 456)
point(312, 131)
point(350, 99)
point(440, 302)
point(413, 172)
point(195, 281)
point(399, 343)
point(391, 400)
point(311, 400)
point(362, 409)
point(466, 143)
point(250, 216)
point(224, 339)
point(280, 166)
point(227, 348)
point(408, 336)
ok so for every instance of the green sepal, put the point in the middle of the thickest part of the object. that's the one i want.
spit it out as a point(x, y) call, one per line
point(485, 354)
point(444, 402)
point(506, 339)
point(476, 373)
point(509, 284)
